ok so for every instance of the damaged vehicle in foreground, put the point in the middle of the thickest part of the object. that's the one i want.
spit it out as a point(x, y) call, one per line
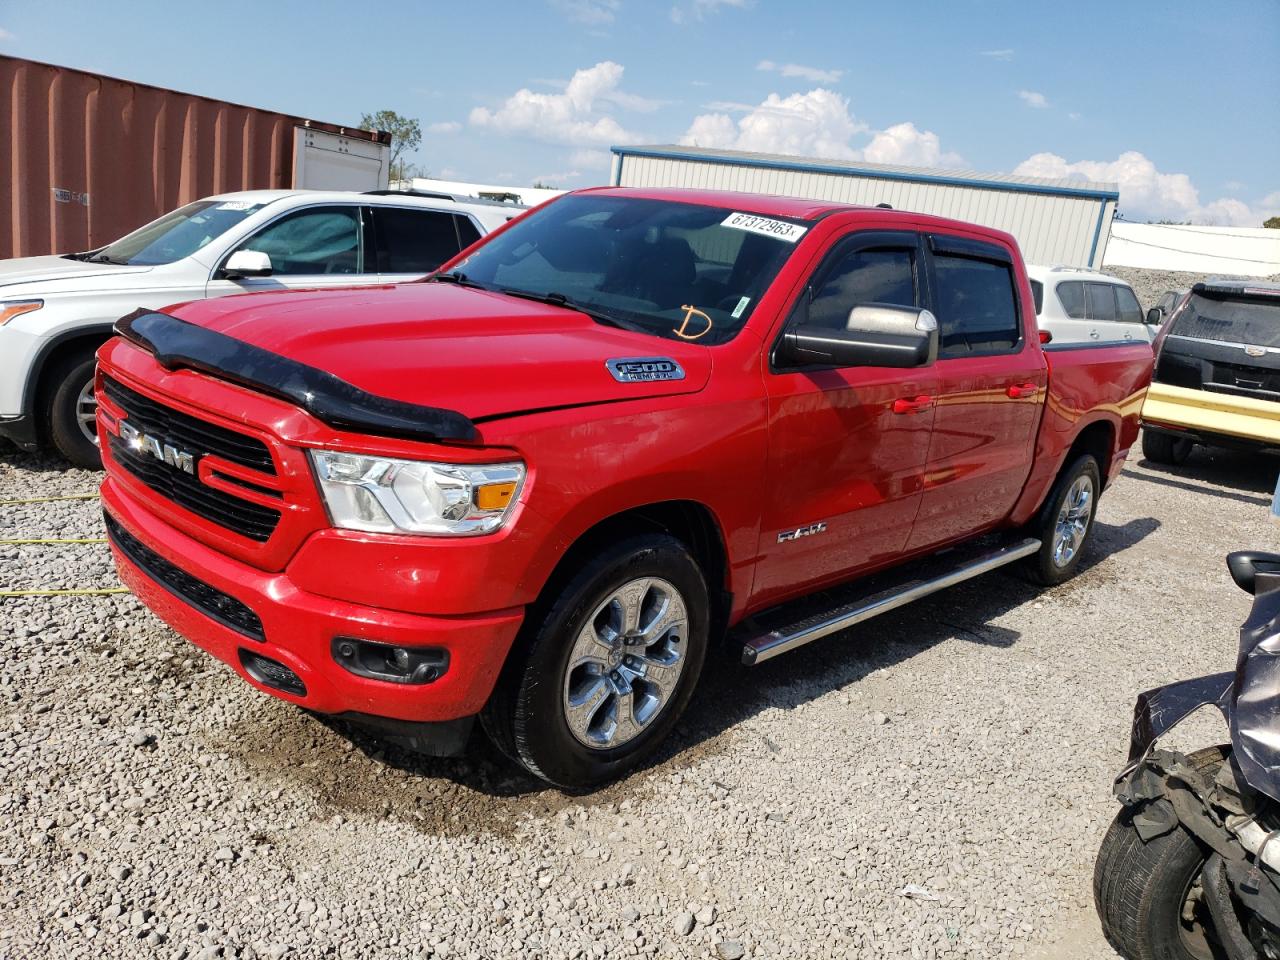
point(1190, 867)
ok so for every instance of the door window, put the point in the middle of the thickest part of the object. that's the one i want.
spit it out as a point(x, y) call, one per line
point(319, 240)
point(1101, 301)
point(1071, 296)
point(467, 232)
point(864, 276)
point(1130, 309)
point(413, 241)
point(976, 306)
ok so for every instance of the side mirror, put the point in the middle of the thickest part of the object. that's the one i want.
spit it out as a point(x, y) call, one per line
point(247, 263)
point(1155, 316)
point(875, 335)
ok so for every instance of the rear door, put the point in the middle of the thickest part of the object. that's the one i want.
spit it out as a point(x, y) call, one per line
point(411, 242)
point(990, 385)
point(1071, 321)
point(845, 460)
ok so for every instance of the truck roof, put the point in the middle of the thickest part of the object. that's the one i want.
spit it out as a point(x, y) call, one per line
point(796, 208)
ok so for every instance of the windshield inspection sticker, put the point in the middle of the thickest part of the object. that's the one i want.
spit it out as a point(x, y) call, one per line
point(235, 205)
point(778, 229)
point(742, 305)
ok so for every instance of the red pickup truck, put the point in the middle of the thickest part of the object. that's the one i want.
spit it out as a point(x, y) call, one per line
point(539, 485)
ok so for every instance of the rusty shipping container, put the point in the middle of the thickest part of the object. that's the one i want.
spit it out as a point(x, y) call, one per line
point(88, 158)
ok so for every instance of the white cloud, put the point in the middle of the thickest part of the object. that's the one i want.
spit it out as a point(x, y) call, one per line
point(6, 35)
point(594, 13)
point(1145, 192)
point(904, 144)
point(1033, 99)
point(701, 9)
point(444, 126)
point(814, 124)
point(1005, 54)
point(555, 179)
point(1073, 116)
point(573, 117)
point(812, 74)
point(591, 159)
point(817, 123)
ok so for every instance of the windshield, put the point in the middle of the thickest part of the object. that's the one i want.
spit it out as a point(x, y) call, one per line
point(1251, 321)
point(676, 270)
point(178, 234)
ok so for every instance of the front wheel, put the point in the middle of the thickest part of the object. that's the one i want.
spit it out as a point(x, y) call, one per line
point(1148, 894)
point(605, 666)
point(73, 411)
point(1066, 522)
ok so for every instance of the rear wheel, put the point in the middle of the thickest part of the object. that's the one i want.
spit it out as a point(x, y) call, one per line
point(1066, 522)
point(1163, 448)
point(1148, 893)
point(73, 410)
point(606, 666)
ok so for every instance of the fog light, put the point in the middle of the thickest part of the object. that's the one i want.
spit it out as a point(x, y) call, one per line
point(384, 661)
point(272, 673)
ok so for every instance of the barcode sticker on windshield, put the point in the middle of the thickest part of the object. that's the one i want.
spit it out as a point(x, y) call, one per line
point(235, 205)
point(778, 229)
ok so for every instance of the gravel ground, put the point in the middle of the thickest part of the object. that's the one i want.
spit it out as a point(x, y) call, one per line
point(1151, 285)
point(152, 805)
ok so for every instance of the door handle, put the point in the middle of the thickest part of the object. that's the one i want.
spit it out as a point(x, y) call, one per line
point(1095, 334)
point(912, 404)
point(1020, 391)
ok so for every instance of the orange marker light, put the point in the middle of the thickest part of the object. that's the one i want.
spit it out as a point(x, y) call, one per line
point(16, 308)
point(495, 496)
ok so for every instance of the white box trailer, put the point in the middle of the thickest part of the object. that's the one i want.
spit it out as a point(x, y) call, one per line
point(1063, 222)
point(323, 160)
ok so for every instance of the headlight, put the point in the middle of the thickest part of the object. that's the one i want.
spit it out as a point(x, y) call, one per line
point(16, 308)
point(383, 495)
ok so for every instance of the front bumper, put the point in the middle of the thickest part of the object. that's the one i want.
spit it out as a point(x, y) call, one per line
point(1203, 413)
point(20, 430)
point(299, 627)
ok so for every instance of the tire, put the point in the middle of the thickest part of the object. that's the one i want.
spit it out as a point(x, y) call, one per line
point(574, 647)
point(1163, 448)
point(1140, 888)
point(1055, 562)
point(70, 379)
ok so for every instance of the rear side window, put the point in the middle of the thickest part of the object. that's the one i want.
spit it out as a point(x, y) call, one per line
point(413, 241)
point(977, 309)
point(1037, 291)
point(1130, 310)
point(467, 232)
point(1071, 296)
point(865, 276)
point(1101, 301)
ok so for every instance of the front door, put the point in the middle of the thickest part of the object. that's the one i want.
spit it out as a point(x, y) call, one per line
point(847, 447)
point(322, 246)
point(991, 384)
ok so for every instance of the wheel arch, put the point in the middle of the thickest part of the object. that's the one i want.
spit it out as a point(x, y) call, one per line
point(691, 522)
point(40, 385)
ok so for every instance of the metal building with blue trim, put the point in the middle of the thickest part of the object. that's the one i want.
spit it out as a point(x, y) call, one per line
point(1055, 221)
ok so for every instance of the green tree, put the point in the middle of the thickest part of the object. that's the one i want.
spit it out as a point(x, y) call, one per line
point(406, 136)
point(1273, 223)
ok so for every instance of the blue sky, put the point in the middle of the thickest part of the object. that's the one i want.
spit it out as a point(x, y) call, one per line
point(1179, 102)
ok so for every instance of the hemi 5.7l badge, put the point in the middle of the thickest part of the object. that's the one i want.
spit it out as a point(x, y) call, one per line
point(644, 369)
point(786, 536)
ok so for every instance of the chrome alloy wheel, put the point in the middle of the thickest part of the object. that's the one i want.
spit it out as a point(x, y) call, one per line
point(1073, 521)
point(87, 412)
point(626, 663)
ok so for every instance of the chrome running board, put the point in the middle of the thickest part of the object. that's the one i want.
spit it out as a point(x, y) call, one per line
point(943, 570)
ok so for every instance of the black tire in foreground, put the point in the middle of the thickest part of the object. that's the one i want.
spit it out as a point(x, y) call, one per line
point(70, 409)
point(1065, 523)
point(1163, 448)
point(1146, 892)
point(605, 664)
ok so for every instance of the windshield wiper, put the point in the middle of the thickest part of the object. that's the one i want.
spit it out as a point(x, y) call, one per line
point(103, 258)
point(560, 300)
point(455, 276)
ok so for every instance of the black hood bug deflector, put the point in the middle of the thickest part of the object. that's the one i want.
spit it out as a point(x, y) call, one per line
point(328, 398)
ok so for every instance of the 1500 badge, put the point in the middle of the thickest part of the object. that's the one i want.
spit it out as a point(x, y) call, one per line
point(644, 369)
point(786, 536)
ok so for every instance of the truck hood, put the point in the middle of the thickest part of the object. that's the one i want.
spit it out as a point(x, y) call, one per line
point(55, 274)
point(482, 354)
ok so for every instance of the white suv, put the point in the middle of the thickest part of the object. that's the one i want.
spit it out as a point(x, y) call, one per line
point(1077, 305)
point(56, 311)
